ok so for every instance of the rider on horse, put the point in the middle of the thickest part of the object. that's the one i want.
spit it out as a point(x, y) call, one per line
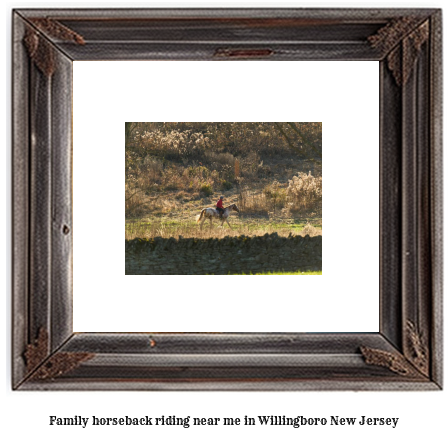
point(219, 206)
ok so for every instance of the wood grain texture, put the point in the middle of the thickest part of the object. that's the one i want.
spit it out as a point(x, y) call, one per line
point(40, 200)
point(436, 195)
point(20, 201)
point(391, 235)
point(61, 200)
point(406, 354)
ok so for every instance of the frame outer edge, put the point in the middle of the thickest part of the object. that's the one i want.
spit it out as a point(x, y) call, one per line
point(436, 136)
point(20, 200)
point(279, 385)
point(251, 12)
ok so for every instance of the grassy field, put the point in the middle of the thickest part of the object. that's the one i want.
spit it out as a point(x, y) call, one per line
point(248, 226)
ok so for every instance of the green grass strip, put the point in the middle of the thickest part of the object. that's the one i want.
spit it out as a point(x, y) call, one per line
point(285, 273)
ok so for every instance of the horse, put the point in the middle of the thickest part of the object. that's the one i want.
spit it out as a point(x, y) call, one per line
point(212, 213)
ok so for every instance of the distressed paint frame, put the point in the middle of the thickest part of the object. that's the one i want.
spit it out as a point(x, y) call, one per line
point(406, 354)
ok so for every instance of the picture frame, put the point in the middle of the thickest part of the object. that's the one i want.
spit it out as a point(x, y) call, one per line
point(406, 353)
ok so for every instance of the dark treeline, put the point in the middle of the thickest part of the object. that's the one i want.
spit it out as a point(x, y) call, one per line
point(305, 138)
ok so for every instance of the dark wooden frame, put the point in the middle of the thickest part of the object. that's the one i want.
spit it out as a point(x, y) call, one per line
point(406, 354)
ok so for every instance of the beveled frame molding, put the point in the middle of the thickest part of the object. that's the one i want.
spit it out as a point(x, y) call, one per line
point(406, 354)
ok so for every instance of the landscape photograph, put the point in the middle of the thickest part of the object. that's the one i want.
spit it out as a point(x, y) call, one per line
point(223, 198)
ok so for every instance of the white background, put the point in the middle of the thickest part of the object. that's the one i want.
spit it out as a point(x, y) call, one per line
point(421, 414)
point(346, 102)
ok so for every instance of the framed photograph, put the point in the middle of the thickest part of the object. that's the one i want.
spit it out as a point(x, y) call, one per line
point(88, 82)
point(188, 181)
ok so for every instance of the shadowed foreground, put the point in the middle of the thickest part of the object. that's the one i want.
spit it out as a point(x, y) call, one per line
point(230, 255)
